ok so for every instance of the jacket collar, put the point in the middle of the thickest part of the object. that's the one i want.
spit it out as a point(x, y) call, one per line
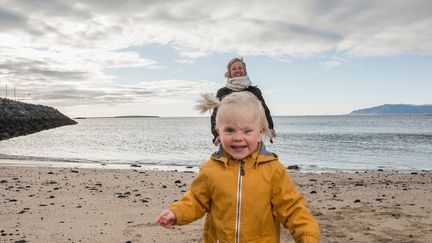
point(259, 156)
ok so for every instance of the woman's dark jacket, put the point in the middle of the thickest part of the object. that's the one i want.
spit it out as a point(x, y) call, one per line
point(222, 92)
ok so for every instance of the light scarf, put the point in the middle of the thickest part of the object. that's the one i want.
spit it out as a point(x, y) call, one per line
point(238, 83)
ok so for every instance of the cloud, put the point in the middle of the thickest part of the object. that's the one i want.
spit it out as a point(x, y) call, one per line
point(334, 62)
point(197, 29)
point(10, 19)
point(61, 49)
point(63, 93)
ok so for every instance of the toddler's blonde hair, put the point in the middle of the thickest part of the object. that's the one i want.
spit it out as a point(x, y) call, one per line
point(235, 106)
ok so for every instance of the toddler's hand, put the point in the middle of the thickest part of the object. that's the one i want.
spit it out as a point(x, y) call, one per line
point(167, 219)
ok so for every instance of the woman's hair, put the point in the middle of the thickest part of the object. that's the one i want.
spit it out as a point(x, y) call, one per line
point(230, 63)
point(235, 107)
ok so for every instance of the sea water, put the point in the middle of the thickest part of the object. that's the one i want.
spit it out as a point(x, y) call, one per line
point(311, 142)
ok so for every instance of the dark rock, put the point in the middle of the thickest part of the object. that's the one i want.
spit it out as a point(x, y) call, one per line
point(359, 184)
point(18, 118)
point(313, 192)
point(135, 165)
point(179, 183)
point(357, 201)
point(293, 167)
point(414, 173)
point(21, 212)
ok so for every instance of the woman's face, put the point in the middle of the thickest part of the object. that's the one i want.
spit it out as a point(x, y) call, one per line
point(236, 70)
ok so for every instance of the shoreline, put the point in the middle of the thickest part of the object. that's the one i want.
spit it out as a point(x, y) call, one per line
point(52, 204)
point(56, 163)
point(99, 165)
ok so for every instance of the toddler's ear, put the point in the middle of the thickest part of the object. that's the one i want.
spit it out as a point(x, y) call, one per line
point(262, 133)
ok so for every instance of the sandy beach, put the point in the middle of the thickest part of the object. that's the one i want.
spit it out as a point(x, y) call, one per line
point(42, 204)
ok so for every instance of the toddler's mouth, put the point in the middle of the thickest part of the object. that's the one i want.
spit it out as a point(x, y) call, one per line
point(238, 148)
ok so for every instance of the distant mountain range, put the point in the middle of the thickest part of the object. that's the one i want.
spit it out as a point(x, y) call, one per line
point(395, 109)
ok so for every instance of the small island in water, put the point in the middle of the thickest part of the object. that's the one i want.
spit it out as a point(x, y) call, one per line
point(117, 117)
point(395, 109)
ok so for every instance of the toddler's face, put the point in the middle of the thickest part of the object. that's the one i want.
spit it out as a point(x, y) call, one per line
point(236, 70)
point(240, 141)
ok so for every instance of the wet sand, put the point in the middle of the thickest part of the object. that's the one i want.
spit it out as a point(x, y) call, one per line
point(42, 204)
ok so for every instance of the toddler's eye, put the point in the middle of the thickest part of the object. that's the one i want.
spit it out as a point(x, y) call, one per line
point(229, 130)
point(248, 130)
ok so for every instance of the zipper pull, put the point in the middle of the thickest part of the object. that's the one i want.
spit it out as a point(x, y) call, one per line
point(242, 172)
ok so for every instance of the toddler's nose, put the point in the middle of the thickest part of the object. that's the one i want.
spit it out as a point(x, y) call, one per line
point(237, 137)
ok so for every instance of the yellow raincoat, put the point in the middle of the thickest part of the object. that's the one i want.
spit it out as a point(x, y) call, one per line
point(246, 201)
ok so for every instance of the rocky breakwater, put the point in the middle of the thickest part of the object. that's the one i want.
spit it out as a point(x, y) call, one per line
point(18, 118)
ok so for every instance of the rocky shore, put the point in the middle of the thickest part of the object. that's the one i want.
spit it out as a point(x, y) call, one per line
point(18, 118)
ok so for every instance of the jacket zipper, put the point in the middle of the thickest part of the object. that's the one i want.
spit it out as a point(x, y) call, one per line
point(239, 191)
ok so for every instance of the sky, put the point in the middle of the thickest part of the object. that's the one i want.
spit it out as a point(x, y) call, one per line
point(155, 57)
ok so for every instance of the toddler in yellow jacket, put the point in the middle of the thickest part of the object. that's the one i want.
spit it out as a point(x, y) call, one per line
point(244, 190)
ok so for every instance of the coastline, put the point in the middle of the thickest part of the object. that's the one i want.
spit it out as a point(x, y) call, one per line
point(30, 161)
point(58, 204)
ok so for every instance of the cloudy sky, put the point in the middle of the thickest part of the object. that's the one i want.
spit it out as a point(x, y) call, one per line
point(154, 57)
